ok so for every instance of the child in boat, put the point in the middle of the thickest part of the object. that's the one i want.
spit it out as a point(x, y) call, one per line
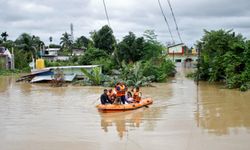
point(129, 98)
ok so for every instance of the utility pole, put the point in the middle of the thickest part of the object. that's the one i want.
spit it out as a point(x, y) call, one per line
point(198, 67)
point(197, 86)
point(173, 56)
point(12, 59)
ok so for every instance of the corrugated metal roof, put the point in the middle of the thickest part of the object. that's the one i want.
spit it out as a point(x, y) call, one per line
point(176, 45)
point(68, 67)
point(68, 78)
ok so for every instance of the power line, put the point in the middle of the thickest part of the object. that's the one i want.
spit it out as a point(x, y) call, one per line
point(177, 29)
point(165, 19)
point(106, 12)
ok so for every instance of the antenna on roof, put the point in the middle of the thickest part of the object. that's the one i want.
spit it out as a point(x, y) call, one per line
point(72, 32)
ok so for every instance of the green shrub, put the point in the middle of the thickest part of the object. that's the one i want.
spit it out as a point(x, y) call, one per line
point(106, 63)
point(225, 57)
point(159, 68)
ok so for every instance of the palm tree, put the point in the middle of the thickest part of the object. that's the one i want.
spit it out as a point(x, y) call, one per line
point(29, 43)
point(4, 36)
point(66, 42)
point(50, 39)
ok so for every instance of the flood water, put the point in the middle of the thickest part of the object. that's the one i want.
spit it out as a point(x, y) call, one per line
point(183, 117)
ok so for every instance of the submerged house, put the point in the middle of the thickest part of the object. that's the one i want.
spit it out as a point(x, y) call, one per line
point(180, 53)
point(176, 52)
point(6, 59)
point(69, 73)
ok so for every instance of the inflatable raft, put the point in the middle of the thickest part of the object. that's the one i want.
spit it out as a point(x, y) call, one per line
point(124, 107)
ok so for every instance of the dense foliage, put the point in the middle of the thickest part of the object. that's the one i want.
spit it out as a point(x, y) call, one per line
point(104, 39)
point(131, 48)
point(134, 60)
point(225, 57)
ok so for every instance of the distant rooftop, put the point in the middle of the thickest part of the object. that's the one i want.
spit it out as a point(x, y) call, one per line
point(176, 45)
point(53, 49)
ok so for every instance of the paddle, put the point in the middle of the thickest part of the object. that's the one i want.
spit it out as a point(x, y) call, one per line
point(95, 101)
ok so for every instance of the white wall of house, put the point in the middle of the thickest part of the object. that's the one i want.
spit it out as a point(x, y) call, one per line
point(64, 58)
point(51, 51)
point(176, 49)
point(6, 59)
point(78, 52)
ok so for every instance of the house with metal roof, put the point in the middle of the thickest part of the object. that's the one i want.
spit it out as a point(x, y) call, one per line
point(181, 53)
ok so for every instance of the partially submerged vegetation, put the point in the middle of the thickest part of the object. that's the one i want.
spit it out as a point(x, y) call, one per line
point(225, 57)
point(139, 60)
point(134, 60)
point(4, 72)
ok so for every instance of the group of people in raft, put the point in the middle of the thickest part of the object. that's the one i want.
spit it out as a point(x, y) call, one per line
point(121, 95)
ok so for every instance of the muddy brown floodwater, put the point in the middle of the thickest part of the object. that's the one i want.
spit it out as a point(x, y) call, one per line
point(40, 117)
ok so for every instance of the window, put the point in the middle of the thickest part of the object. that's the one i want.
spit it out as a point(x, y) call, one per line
point(178, 60)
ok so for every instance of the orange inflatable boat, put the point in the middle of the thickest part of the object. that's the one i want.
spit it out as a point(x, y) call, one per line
point(124, 107)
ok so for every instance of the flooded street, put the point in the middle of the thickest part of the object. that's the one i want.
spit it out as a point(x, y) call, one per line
point(37, 116)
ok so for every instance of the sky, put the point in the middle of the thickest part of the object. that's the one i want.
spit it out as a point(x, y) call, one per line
point(45, 18)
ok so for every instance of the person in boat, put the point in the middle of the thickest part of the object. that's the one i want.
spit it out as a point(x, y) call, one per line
point(137, 95)
point(117, 94)
point(112, 95)
point(123, 90)
point(120, 92)
point(129, 97)
point(104, 97)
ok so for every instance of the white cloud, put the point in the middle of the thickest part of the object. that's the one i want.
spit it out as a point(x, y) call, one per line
point(35, 8)
point(46, 18)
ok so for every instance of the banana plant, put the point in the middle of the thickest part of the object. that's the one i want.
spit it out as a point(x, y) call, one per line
point(94, 76)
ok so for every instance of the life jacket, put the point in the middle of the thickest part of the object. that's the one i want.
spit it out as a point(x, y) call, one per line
point(118, 90)
point(123, 92)
point(137, 97)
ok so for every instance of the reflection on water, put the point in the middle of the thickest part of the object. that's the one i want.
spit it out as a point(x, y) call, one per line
point(118, 120)
point(221, 110)
point(129, 120)
point(37, 116)
point(5, 83)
